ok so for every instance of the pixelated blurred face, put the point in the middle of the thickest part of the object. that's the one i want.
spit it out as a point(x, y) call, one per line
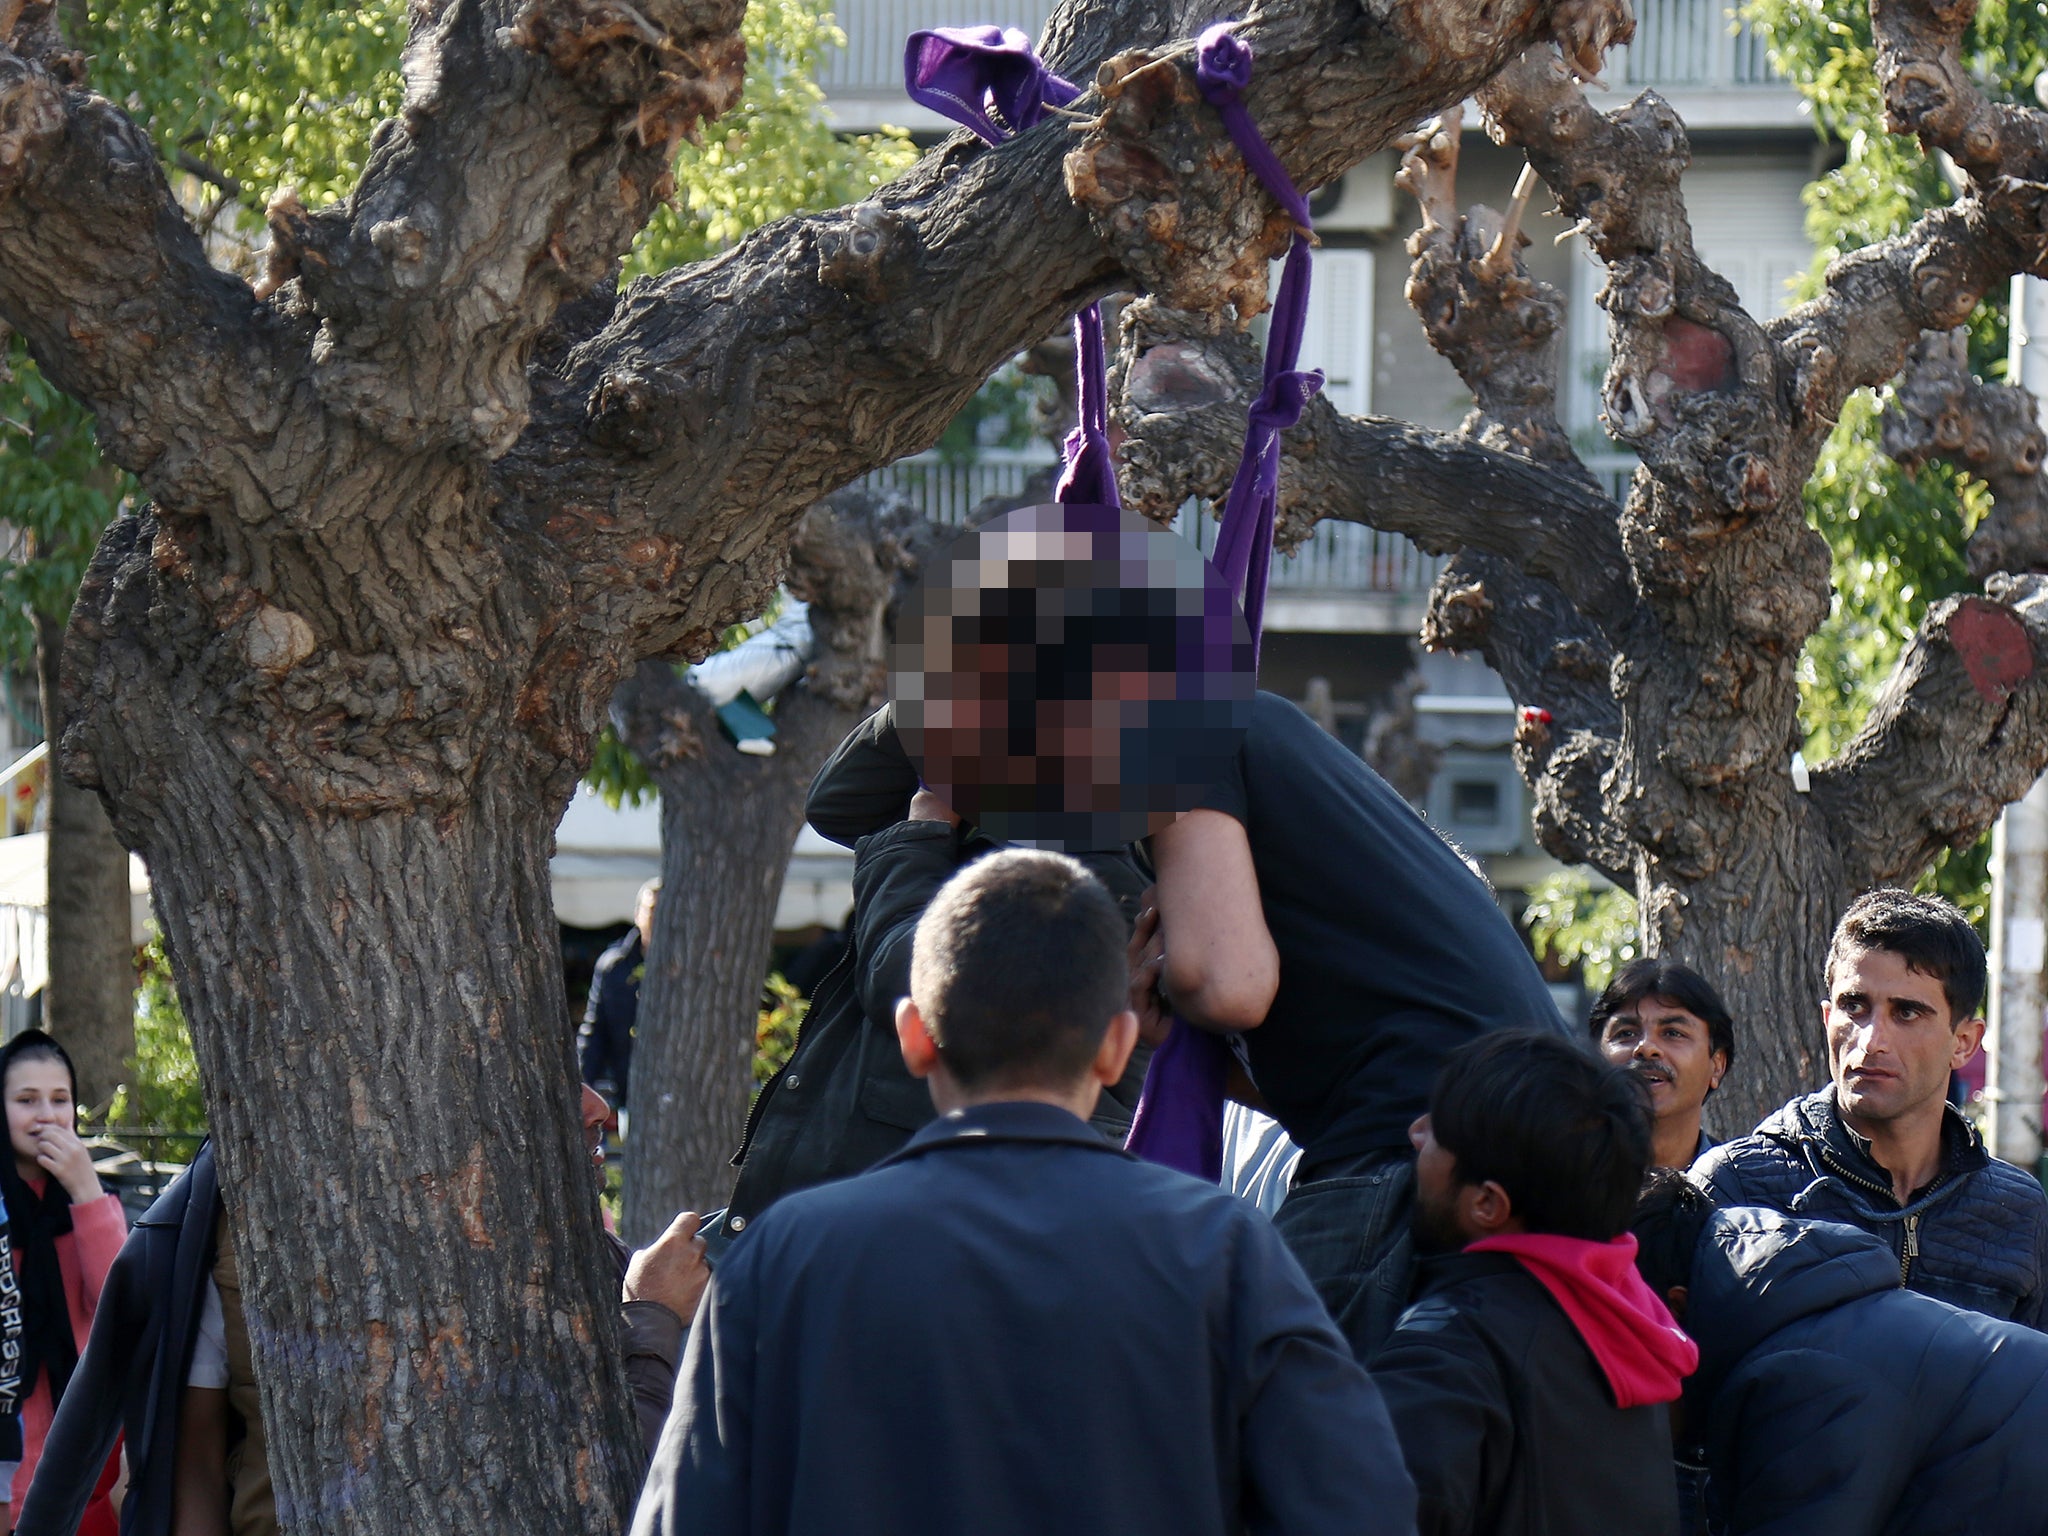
point(1075, 680)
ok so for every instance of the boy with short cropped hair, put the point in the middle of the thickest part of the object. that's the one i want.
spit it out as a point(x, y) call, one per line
point(1011, 1327)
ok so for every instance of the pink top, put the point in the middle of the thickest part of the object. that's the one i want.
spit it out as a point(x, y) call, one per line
point(85, 1254)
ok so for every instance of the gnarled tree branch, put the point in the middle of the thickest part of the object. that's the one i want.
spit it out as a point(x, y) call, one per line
point(1959, 733)
point(105, 279)
point(1992, 431)
point(535, 140)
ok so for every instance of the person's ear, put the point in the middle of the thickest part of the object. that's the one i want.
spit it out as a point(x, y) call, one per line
point(1969, 1035)
point(1114, 1054)
point(920, 1053)
point(1487, 1207)
point(1720, 1061)
point(1674, 1302)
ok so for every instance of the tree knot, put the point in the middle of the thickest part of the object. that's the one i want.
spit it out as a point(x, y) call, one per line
point(31, 118)
point(861, 253)
point(675, 63)
point(1163, 184)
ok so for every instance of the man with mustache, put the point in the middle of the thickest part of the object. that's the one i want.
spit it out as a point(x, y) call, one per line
point(1882, 1149)
point(1662, 1021)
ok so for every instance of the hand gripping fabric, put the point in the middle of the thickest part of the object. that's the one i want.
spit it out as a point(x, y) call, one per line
point(989, 80)
point(1179, 1120)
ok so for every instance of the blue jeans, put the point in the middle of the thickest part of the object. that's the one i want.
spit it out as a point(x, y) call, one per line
point(1347, 1222)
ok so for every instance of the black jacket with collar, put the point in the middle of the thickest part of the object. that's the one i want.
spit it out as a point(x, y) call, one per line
point(1833, 1403)
point(845, 1100)
point(131, 1378)
point(1012, 1328)
point(1976, 1238)
point(1509, 1425)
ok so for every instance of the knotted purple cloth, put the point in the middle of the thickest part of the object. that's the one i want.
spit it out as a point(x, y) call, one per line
point(1179, 1121)
point(989, 79)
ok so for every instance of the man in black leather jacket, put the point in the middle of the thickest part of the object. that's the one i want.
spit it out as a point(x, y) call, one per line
point(845, 1101)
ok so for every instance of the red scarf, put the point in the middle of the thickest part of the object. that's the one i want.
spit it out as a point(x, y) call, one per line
point(1644, 1354)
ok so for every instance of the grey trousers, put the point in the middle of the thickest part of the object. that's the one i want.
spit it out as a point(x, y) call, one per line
point(1347, 1223)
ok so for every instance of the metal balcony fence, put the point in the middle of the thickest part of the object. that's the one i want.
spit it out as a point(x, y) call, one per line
point(1678, 42)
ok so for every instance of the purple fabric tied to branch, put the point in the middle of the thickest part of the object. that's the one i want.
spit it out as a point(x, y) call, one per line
point(991, 81)
point(987, 79)
point(1179, 1121)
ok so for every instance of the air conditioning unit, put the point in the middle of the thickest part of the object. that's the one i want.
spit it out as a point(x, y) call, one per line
point(1361, 201)
point(1476, 800)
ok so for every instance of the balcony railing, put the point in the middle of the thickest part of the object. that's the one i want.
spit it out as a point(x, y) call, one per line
point(1696, 43)
point(1338, 557)
point(1678, 42)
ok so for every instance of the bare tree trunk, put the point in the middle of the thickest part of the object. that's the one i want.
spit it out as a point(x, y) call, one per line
point(728, 823)
point(383, 992)
point(89, 1003)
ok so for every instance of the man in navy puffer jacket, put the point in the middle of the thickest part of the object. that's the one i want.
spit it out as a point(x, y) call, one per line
point(1882, 1149)
point(1828, 1401)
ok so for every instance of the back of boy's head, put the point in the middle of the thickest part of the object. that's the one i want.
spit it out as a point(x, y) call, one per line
point(1565, 1134)
point(1017, 968)
point(1931, 935)
point(1670, 1215)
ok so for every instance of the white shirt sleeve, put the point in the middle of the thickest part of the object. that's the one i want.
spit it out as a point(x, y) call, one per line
point(210, 1350)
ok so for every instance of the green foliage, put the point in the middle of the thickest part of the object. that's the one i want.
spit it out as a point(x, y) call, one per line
point(266, 93)
point(163, 1075)
point(999, 416)
point(774, 154)
point(56, 492)
point(782, 1015)
point(1571, 922)
point(615, 773)
point(1897, 541)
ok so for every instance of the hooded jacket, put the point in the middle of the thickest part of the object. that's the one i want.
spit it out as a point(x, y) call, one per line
point(1837, 1404)
point(1506, 1411)
point(132, 1374)
point(1977, 1237)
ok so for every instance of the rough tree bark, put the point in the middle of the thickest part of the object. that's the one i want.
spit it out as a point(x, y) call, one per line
point(420, 501)
point(89, 1001)
point(1654, 644)
point(728, 822)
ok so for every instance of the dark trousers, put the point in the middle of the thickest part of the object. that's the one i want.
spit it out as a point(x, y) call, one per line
point(1346, 1220)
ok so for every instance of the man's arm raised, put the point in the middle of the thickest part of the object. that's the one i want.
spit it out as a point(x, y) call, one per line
point(1220, 967)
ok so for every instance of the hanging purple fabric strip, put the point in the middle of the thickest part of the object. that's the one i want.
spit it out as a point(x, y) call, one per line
point(991, 81)
point(1179, 1120)
point(1089, 477)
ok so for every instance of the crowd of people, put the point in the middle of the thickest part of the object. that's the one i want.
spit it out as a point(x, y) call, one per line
point(1483, 1271)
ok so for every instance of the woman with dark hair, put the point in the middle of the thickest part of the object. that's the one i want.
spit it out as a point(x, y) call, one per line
point(65, 1231)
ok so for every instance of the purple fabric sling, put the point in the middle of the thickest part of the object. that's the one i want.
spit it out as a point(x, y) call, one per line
point(989, 80)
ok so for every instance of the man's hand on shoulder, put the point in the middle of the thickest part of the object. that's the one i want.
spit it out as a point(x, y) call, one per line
point(671, 1271)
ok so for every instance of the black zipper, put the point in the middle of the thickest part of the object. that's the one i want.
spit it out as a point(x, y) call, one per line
point(1909, 1246)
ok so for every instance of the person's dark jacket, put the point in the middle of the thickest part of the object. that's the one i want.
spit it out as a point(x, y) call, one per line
point(1977, 1237)
point(844, 1100)
point(605, 1043)
point(1508, 1422)
point(1837, 1404)
point(651, 1338)
point(1012, 1328)
point(131, 1378)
